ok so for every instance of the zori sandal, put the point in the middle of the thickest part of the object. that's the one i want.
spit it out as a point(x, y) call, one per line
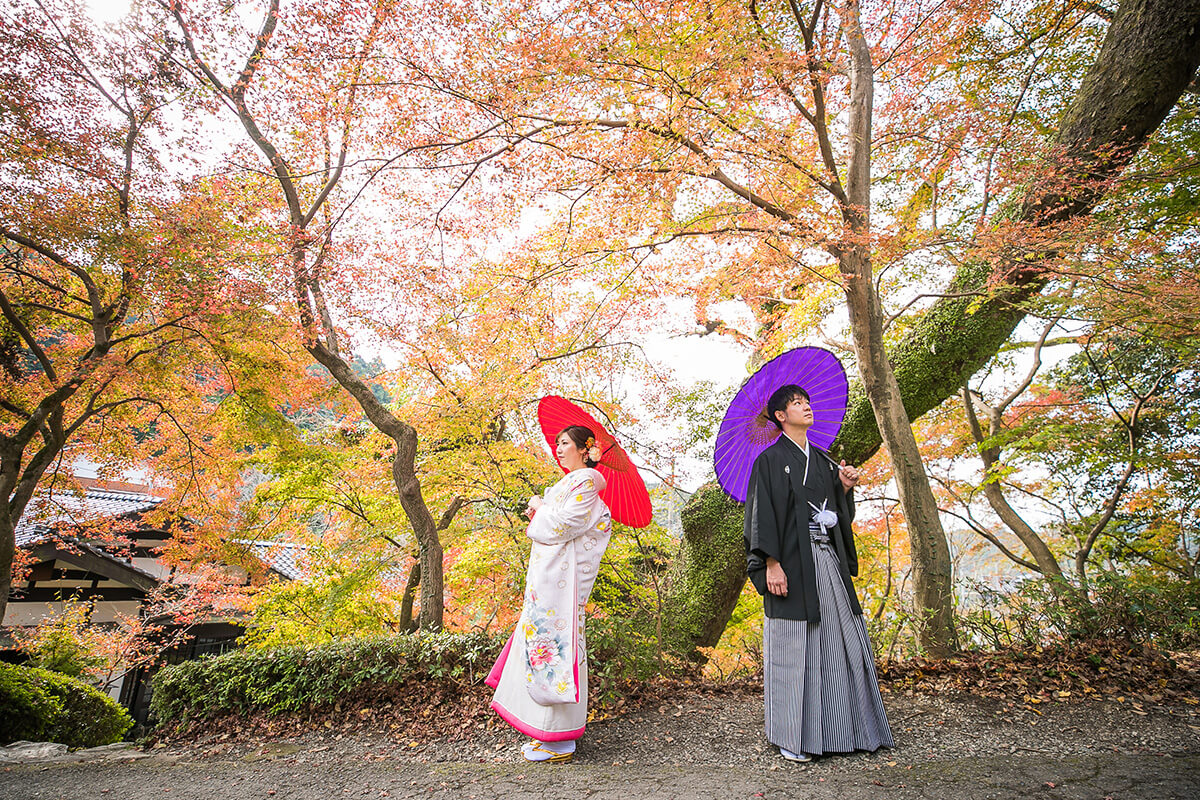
point(790, 756)
point(536, 751)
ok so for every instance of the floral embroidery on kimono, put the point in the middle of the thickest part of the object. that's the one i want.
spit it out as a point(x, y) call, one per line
point(549, 654)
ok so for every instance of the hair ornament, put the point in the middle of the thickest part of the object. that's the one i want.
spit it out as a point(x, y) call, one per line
point(593, 450)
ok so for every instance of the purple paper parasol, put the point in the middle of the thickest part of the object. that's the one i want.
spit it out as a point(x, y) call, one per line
point(746, 431)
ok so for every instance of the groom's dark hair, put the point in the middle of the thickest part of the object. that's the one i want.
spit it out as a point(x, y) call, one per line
point(780, 399)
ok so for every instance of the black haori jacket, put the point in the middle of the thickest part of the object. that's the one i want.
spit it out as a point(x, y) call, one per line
point(777, 518)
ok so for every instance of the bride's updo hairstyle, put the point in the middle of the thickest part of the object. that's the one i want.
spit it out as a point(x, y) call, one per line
point(583, 438)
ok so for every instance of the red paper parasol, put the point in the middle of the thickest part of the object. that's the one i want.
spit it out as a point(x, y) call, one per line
point(625, 495)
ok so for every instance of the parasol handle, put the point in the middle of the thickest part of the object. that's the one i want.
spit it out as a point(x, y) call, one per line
point(828, 458)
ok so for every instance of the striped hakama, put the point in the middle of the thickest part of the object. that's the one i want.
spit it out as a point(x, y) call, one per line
point(821, 692)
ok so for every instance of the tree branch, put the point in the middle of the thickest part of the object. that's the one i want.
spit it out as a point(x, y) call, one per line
point(30, 340)
point(79, 272)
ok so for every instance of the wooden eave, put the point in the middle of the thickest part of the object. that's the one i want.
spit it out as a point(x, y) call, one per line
point(97, 562)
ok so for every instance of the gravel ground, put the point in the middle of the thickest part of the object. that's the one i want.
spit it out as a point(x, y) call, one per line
point(710, 746)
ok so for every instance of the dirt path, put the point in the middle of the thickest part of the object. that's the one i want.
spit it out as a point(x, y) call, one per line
point(708, 747)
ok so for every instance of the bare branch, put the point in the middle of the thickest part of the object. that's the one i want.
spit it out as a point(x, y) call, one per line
point(448, 515)
point(1110, 506)
point(46, 252)
point(1033, 368)
point(30, 340)
point(270, 20)
point(237, 96)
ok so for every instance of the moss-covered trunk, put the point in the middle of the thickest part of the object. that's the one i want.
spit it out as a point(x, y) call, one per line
point(1148, 60)
point(708, 573)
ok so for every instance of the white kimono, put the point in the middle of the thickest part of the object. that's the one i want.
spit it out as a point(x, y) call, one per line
point(541, 676)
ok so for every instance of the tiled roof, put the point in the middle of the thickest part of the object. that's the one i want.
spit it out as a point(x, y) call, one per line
point(288, 559)
point(67, 508)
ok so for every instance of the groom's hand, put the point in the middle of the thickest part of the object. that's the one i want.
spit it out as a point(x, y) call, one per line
point(848, 476)
point(776, 578)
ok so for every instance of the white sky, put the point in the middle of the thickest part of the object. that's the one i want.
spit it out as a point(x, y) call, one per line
point(108, 10)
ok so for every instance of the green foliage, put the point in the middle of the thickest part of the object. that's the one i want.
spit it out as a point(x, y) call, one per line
point(41, 705)
point(64, 644)
point(625, 631)
point(654, 620)
point(340, 600)
point(290, 679)
point(621, 648)
point(1084, 442)
point(894, 632)
point(1114, 428)
point(483, 582)
point(738, 654)
point(1139, 607)
point(699, 411)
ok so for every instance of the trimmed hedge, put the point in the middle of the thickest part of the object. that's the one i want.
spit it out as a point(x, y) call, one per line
point(27, 710)
point(294, 678)
point(40, 705)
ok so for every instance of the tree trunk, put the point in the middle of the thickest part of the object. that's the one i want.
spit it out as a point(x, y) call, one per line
point(424, 530)
point(404, 474)
point(8, 549)
point(18, 487)
point(931, 571)
point(1047, 563)
point(932, 578)
point(406, 602)
point(19, 481)
point(1148, 60)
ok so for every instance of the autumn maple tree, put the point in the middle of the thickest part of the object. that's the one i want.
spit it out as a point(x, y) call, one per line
point(296, 92)
point(375, 182)
point(124, 307)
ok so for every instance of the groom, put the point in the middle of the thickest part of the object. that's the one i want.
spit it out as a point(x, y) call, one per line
point(821, 694)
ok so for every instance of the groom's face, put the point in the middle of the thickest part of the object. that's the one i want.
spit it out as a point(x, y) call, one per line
point(797, 413)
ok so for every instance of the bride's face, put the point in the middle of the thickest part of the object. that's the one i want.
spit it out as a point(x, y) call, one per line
point(570, 455)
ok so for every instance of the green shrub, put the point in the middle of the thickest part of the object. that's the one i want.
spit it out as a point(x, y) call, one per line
point(620, 648)
point(630, 635)
point(40, 705)
point(27, 710)
point(1135, 606)
point(290, 679)
point(1141, 606)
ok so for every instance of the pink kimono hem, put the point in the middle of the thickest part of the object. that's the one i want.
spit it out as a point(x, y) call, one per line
point(493, 678)
point(534, 733)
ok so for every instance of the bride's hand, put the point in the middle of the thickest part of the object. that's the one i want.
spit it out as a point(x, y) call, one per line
point(535, 503)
